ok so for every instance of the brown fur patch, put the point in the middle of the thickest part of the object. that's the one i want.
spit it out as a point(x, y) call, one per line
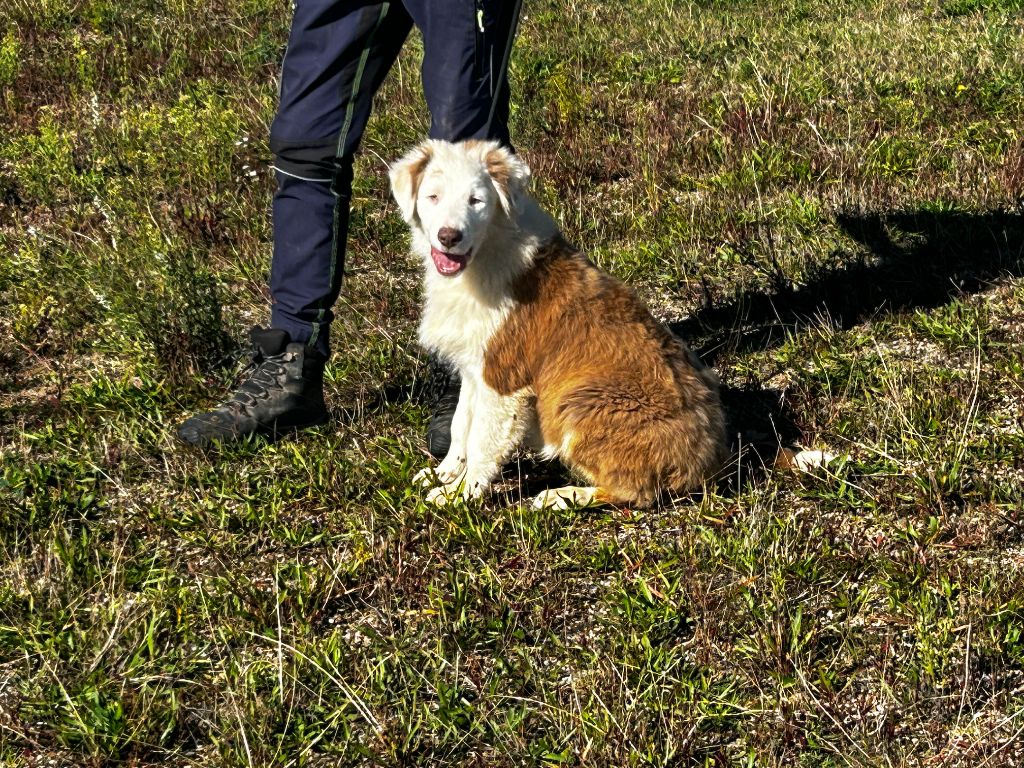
point(406, 184)
point(417, 167)
point(639, 416)
point(500, 173)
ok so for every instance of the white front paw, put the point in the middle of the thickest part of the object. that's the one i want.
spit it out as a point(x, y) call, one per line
point(425, 478)
point(450, 469)
point(443, 495)
point(474, 489)
point(444, 473)
point(449, 493)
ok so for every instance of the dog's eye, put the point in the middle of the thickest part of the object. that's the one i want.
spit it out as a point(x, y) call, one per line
point(475, 201)
point(432, 198)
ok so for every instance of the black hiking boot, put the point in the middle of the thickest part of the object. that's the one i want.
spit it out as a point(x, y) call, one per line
point(442, 395)
point(283, 391)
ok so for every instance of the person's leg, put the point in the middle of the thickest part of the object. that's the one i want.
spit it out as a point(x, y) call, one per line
point(338, 54)
point(465, 57)
point(337, 57)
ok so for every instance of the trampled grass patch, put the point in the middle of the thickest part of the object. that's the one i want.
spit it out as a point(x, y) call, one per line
point(824, 198)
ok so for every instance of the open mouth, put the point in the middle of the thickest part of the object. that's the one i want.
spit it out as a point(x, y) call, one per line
point(449, 263)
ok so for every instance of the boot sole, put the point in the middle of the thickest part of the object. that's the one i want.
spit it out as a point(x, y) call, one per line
point(271, 433)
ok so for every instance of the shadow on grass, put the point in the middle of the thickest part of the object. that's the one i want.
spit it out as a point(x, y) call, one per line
point(907, 261)
point(427, 388)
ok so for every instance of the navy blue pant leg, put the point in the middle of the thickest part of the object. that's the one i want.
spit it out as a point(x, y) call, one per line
point(464, 45)
point(338, 54)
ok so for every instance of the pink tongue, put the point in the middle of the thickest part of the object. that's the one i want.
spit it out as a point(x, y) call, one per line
point(447, 263)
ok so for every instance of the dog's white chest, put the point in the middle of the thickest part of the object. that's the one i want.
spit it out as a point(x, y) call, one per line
point(459, 326)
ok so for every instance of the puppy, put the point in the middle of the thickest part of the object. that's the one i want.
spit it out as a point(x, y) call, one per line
point(552, 352)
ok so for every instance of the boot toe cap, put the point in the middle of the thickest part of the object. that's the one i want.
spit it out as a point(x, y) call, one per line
point(203, 430)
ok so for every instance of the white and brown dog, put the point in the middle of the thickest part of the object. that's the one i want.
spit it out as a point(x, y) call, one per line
point(552, 351)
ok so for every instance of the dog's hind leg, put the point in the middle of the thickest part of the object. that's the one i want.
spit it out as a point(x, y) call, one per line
point(572, 496)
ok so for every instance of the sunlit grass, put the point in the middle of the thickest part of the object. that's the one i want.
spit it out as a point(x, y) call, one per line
point(823, 198)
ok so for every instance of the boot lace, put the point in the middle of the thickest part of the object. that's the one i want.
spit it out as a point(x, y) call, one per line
point(261, 375)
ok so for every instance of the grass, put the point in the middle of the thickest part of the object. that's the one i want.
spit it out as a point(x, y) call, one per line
point(824, 198)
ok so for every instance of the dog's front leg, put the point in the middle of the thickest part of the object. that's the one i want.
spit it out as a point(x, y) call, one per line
point(453, 465)
point(495, 431)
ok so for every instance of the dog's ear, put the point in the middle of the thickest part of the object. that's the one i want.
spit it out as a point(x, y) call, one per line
point(510, 175)
point(405, 177)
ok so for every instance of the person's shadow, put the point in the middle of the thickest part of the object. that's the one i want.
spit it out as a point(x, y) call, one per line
point(908, 260)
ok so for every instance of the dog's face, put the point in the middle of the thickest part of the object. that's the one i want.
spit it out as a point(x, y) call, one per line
point(452, 193)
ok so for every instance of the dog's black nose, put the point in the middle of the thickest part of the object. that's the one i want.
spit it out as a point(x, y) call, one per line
point(448, 236)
